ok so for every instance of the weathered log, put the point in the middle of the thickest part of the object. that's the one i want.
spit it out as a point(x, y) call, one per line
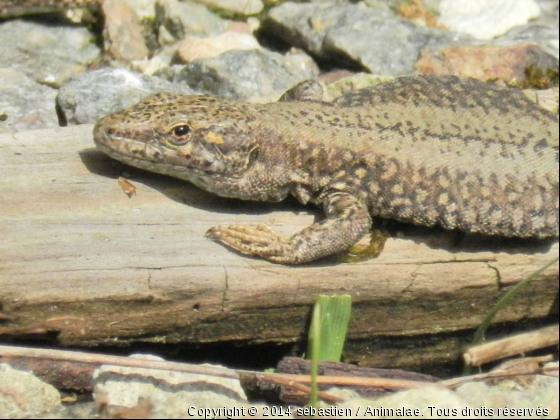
point(81, 259)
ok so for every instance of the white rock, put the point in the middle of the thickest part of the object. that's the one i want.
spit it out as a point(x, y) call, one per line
point(170, 394)
point(485, 19)
point(23, 394)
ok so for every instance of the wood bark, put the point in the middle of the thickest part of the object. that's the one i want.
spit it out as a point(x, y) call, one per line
point(82, 260)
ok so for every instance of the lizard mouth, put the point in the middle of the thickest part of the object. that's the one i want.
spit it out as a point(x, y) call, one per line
point(145, 156)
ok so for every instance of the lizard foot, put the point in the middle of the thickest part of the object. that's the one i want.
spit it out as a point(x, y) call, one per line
point(260, 241)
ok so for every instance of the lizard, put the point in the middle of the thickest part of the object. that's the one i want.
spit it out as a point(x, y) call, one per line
point(459, 153)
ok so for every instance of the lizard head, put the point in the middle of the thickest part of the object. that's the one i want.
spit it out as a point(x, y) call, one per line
point(189, 137)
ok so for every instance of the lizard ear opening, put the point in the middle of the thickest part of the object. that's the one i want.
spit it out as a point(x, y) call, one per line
point(180, 134)
point(253, 155)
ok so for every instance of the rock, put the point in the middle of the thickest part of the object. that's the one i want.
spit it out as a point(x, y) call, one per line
point(537, 391)
point(429, 5)
point(507, 64)
point(193, 48)
point(243, 7)
point(60, 9)
point(161, 60)
point(165, 394)
point(416, 12)
point(48, 54)
point(354, 36)
point(335, 75)
point(122, 34)
point(537, 398)
point(178, 19)
point(92, 95)
point(543, 31)
point(23, 394)
point(144, 9)
point(486, 19)
point(24, 103)
point(257, 75)
point(548, 98)
point(420, 399)
point(384, 5)
point(88, 410)
point(248, 27)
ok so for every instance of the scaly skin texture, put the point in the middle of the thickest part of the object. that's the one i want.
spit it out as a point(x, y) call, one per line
point(458, 153)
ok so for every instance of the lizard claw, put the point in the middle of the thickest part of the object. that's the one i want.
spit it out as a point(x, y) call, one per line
point(260, 241)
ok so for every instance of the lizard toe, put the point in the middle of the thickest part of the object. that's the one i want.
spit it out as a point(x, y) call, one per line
point(260, 241)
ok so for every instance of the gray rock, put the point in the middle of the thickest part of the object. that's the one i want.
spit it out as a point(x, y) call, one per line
point(374, 39)
point(90, 96)
point(24, 103)
point(177, 19)
point(48, 54)
point(27, 395)
point(254, 74)
point(543, 31)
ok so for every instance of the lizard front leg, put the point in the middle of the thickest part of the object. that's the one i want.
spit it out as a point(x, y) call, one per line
point(347, 221)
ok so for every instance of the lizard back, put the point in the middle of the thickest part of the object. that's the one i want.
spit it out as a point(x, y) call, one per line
point(433, 150)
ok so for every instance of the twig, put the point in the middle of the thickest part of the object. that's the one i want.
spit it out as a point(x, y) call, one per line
point(277, 379)
point(511, 346)
point(455, 382)
point(290, 381)
point(101, 359)
point(361, 381)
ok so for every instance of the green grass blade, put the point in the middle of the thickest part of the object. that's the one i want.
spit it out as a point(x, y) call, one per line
point(333, 326)
point(313, 350)
point(479, 333)
point(327, 334)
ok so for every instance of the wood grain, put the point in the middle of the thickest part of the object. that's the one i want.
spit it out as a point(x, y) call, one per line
point(79, 258)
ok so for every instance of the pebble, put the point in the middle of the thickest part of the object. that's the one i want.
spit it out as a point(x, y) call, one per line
point(179, 19)
point(193, 48)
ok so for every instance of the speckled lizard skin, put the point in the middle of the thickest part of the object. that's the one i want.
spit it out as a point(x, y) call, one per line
point(444, 151)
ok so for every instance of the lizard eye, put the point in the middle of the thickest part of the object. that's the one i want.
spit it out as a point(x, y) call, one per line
point(180, 134)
